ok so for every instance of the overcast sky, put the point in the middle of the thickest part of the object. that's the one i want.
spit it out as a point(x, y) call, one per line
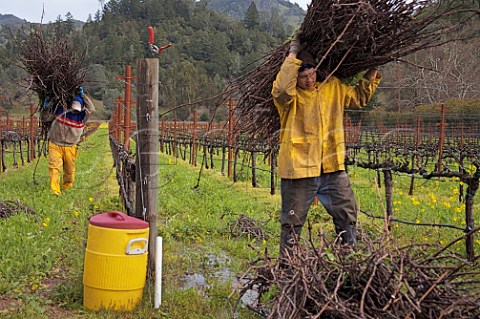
point(31, 10)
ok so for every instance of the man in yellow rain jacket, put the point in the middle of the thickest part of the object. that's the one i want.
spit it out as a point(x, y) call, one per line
point(312, 146)
point(63, 136)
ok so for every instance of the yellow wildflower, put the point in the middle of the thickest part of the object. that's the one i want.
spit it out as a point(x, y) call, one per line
point(46, 220)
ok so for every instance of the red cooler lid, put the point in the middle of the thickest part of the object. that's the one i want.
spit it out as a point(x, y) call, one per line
point(117, 220)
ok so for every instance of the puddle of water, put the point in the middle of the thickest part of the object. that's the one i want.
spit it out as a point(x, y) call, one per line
point(222, 274)
point(250, 297)
point(193, 281)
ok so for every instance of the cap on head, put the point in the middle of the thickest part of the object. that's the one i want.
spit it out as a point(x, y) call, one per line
point(308, 62)
point(77, 104)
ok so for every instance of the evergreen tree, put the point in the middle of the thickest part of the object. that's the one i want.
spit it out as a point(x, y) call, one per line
point(252, 18)
point(69, 23)
point(98, 16)
point(209, 48)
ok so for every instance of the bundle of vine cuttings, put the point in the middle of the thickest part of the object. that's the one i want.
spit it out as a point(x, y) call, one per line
point(54, 64)
point(381, 279)
point(346, 37)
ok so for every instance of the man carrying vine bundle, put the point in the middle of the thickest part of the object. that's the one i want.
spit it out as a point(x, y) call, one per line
point(64, 134)
point(312, 145)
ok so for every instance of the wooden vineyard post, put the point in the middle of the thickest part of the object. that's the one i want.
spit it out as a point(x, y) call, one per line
point(114, 122)
point(417, 143)
point(128, 106)
point(230, 137)
point(387, 175)
point(208, 132)
point(442, 125)
point(272, 157)
point(460, 188)
point(167, 134)
point(175, 144)
point(147, 151)
point(2, 156)
point(235, 161)
point(224, 151)
point(211, 150)
point(254, 174)
point(193, 155)
point(32, 134)
point(162, 138)
point(127, 123)
point(2, 149)
point(379, 177)
point(473, 183)
point(118, 118)
point(272, 169)
point(212, 147)
point(184, 144)
point(397, 69)
point(24, 129)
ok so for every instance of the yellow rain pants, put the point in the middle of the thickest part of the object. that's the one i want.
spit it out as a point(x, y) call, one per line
point(61, 158)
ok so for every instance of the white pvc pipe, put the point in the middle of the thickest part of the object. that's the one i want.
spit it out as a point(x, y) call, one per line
point(158, 272)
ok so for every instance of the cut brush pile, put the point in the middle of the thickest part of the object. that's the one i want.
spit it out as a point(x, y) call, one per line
point(55, 66)
point(378, 280)
point(346, 37)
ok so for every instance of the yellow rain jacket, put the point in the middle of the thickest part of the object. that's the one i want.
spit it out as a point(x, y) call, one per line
point(312, 137)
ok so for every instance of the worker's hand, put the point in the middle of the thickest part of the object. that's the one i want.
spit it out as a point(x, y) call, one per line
point(80, 91)
point(295, 44)
point(371, 74)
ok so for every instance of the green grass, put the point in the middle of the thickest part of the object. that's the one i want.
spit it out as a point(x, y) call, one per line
point(42, 253)
point(434, 201)
point(49, 244)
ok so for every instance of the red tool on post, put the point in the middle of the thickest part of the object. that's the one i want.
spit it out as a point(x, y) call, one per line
point(152, 48)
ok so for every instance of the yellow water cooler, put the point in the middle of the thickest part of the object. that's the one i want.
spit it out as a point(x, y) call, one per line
point(115, 264)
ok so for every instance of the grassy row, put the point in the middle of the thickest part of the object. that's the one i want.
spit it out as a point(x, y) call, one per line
point(42, 256)
point(434, 201)
point(43, 249)
point(42, 263)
